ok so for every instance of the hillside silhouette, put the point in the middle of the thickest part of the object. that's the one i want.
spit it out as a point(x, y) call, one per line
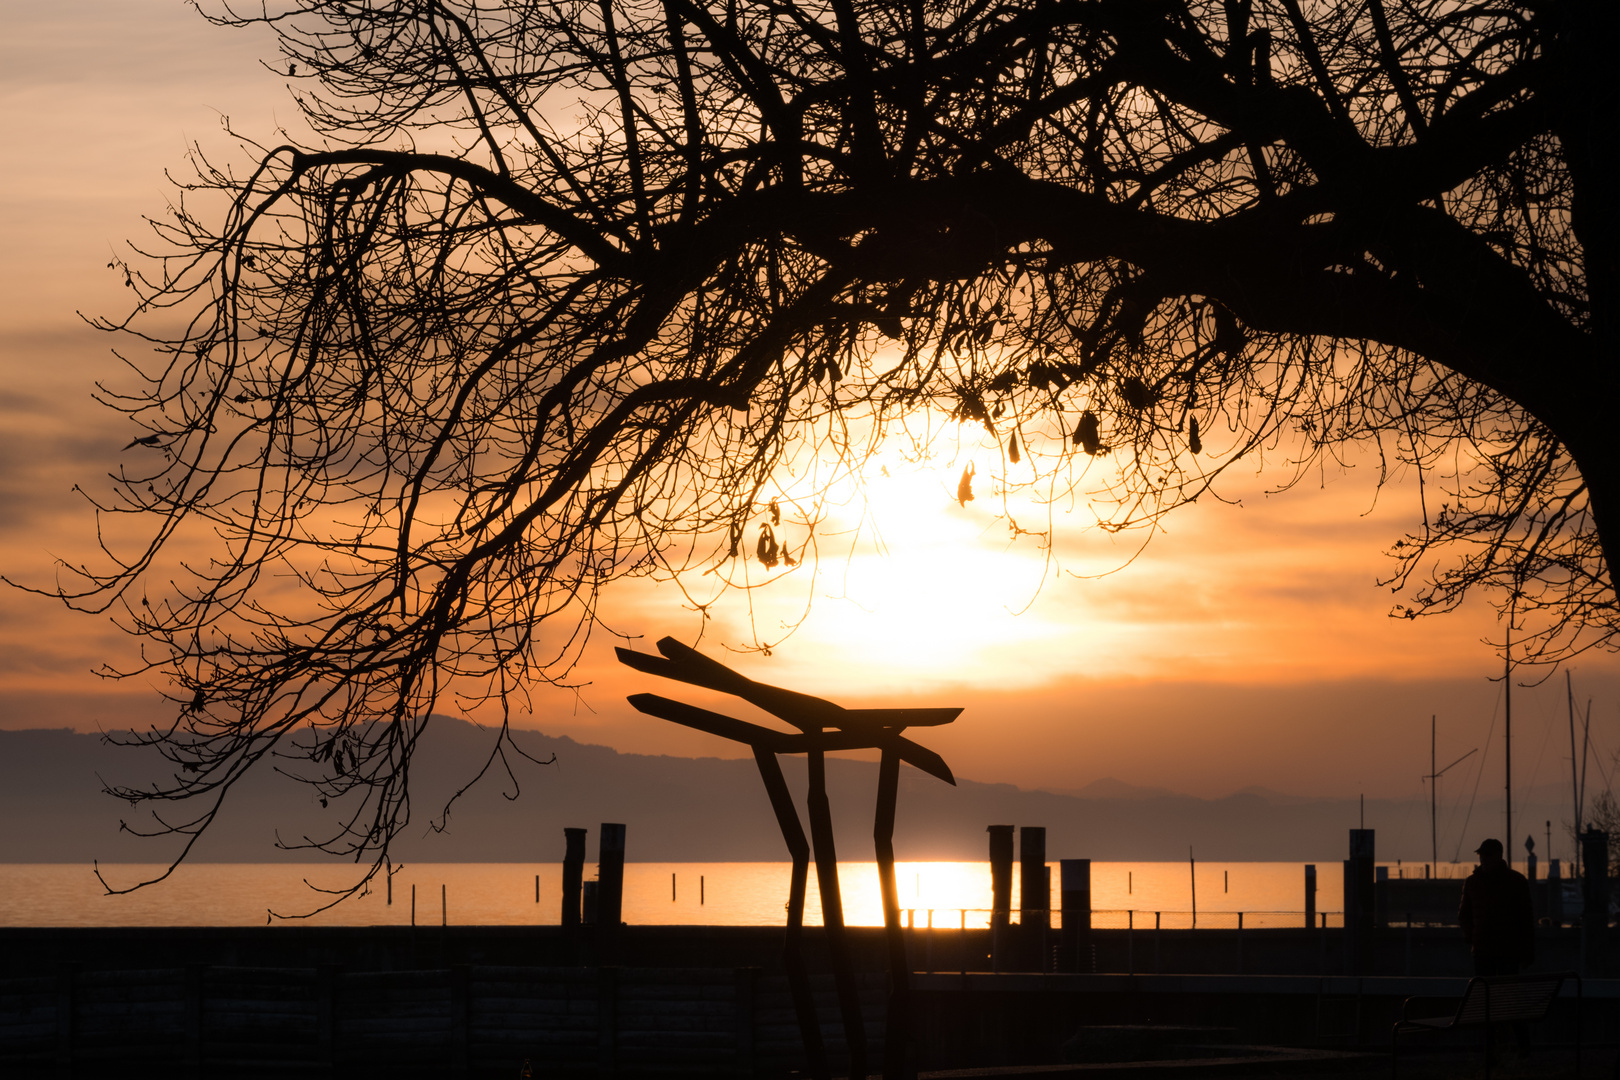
point(677, 809)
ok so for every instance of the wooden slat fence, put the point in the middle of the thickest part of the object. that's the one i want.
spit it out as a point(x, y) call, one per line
point(459, 1022)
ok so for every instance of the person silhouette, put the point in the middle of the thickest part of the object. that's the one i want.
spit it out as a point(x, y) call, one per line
point(1496, 915)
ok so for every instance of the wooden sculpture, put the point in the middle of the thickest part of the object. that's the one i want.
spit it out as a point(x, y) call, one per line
point(852, 729)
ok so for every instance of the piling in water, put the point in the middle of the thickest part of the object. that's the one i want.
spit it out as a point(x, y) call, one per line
point(573, 875)
point(1001, 857)
point(1310, 895)
point(1358, 901)
point(1192, 879)
point(1074, 899)
point(590, 901)
point(610, 872)
point(1035, 900)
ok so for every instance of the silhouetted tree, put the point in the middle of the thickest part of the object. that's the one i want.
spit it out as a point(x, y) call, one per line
point(564, 292)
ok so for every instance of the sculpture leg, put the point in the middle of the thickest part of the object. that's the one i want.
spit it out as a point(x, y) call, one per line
point(832, 915)
point(897, 1032)
point(804, 1004)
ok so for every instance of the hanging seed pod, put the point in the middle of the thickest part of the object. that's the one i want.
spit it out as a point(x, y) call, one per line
point(1012, 447)
point(971, 406)
point(766, 549)
point(964, 487)
point(776, 511)
point(1194, 443)
point(1086, 433)
point(889, 326)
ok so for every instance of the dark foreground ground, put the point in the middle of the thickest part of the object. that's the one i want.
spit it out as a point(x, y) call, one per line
point(1279, 1063)
point(470, 1003)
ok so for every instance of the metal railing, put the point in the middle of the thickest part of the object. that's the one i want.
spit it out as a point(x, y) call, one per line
point(1122, 919)
point(939, 939)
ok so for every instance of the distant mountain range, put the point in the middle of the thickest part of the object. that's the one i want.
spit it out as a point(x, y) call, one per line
point(680, 809)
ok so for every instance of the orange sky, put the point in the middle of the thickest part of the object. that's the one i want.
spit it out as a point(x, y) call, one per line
point(1247, 645)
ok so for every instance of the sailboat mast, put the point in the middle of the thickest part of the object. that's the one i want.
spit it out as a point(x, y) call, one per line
point(1507, 748)
point(1574, 776)
point(1434, 834)
point(1586, 746)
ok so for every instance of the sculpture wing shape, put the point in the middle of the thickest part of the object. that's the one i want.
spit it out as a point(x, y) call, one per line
point(780, 742)
point(685, 664)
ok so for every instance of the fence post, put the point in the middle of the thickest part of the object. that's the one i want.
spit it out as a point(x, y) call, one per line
point(460, 1021)
point(928, 947)
point(193, 1020)
point(66, 976)
point(607, 1020)
point(326, 980)
point(747, 980)
point(1555, 892)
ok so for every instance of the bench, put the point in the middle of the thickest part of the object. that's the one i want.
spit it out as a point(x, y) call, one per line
point(1491, 1000)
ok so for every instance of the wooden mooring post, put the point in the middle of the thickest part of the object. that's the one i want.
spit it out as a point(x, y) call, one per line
point(1034, 897)
point(610, 872)
point(573, 875)
point(1001, 857)
point(1074, 900)
point(1310, 896)
point(1358, 902)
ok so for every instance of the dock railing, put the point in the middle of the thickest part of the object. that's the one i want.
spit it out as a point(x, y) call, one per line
point(947, 939)
point(949, 918)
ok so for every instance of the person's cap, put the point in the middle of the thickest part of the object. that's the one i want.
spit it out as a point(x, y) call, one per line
point(1489, 847)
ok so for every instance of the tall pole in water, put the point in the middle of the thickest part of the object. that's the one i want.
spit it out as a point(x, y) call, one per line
point(1586, 746)
point(1574, 777)
point(1507, 741)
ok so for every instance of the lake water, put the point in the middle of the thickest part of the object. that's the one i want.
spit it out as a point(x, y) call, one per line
point(737, 894)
